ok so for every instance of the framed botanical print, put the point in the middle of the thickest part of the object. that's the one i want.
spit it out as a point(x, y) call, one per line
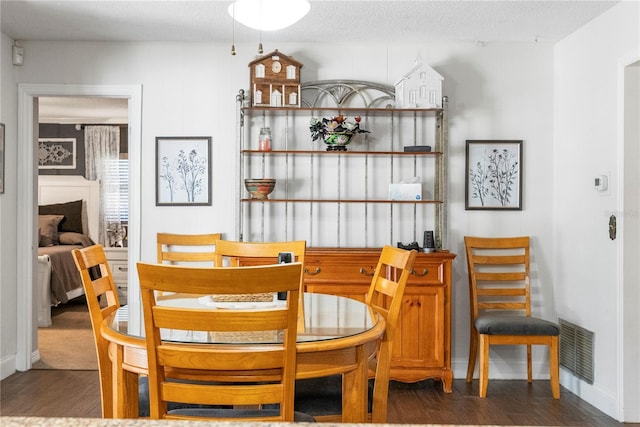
point(493, 175)
point(183, 171)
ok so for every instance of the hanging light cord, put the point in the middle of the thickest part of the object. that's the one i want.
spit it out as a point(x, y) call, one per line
point(233, 31)
point(260, 50)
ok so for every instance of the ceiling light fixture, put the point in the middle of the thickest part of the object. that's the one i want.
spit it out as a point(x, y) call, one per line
point(268, 15)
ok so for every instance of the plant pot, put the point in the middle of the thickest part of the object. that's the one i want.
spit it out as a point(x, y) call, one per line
point(338, 141)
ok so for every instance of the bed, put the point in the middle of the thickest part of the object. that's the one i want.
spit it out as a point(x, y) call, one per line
point(68, 216)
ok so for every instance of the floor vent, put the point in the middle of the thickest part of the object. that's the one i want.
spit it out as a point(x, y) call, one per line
point(576, 350)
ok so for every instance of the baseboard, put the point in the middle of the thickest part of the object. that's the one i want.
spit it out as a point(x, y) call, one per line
point(591, 393)
point(7, 366)
point(35, 356)
point(513, 370)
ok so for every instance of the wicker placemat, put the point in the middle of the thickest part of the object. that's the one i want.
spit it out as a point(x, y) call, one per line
point(248, 337)
point(265, 297)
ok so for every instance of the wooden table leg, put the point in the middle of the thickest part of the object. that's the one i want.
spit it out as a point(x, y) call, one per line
point(125, 390)
point(354, 390)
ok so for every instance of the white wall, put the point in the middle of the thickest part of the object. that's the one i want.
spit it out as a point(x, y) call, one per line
point(586, 135)
point(500, 91)
point(8, 288)
point(495, 92)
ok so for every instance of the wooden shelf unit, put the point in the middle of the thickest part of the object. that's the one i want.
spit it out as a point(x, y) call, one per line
point(322, 196)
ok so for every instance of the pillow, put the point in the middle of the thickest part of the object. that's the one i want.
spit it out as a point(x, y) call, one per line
point(48, 226)
point(72, 212)
point(69, 238)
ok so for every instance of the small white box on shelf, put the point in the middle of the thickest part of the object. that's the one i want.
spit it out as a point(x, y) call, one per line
point(411, 191)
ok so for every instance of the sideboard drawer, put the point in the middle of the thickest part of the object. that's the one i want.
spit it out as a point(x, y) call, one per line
point(341, 265)
point(426, 272)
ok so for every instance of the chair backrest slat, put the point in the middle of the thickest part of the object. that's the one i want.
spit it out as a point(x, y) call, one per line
point(178, 249)
point(499, 273)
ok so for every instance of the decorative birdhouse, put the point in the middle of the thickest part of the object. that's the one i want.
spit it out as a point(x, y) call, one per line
point(275, 81)
point(420, 87)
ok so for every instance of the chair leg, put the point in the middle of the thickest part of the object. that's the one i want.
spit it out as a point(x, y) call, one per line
point(529, 367)
point(473, 353)
point(381, 385)
point(554, 368)
point(484, 365)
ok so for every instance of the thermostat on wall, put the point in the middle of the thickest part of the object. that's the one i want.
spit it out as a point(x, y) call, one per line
point(601, 183)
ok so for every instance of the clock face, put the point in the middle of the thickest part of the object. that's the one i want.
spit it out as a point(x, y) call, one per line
point(276, 67)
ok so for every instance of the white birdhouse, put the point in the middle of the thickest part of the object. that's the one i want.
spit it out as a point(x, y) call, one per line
point(420, 87)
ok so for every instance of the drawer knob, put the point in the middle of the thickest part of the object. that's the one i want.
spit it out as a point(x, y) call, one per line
point(424, 272)
point(123, 268)
point(312, 273)
point(364, 271)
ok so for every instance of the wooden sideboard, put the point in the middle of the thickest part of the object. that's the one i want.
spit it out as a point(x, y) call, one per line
point(423, 349)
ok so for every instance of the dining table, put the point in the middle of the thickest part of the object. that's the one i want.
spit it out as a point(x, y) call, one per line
point(340, 335)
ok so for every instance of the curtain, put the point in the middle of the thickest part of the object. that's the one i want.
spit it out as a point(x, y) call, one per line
point(102, 152)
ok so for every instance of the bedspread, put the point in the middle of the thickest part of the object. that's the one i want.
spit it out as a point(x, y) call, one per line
point(64, 274)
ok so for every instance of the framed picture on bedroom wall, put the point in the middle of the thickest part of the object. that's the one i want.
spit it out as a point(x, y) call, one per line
point(1, 158)
point(493, 175)
point(183, 171)
point(57, 153)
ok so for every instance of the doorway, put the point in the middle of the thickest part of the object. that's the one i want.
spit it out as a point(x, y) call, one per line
point(68, 119)
point(28, 95)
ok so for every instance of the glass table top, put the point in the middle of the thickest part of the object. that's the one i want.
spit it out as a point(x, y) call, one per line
point(327, 317)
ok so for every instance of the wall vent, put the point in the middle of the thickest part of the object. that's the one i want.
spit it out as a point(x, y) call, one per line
point(576, 350)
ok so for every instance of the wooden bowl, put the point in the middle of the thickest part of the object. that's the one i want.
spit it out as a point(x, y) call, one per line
point(260, 188)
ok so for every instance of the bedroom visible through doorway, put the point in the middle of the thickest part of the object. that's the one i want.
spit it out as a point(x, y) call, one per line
point(68, 132)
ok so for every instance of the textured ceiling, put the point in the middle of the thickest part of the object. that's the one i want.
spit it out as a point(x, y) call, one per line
point(328, 21)
point(332, 21)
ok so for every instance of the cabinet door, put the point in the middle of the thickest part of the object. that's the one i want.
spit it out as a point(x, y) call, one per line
point(421, 349)
point(421, 336)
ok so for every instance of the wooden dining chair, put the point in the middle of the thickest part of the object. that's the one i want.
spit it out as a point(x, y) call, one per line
point(322, 397)
point(98, 284)
point(240, 254)
point(181, 249)
point(500, 303)
point(247, 373)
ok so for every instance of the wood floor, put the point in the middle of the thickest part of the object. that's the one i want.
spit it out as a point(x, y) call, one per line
point(74, 393)
point(61, 393)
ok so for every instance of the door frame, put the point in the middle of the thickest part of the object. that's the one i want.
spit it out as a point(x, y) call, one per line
point(26, 324)
point(628, 246)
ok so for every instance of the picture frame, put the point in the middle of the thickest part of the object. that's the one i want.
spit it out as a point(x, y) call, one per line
point(1, 158)
point(183, 171)
point(493, 175)
point(57, 153)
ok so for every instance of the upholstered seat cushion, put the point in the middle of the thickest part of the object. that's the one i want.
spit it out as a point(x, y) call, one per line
point(515, 325)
